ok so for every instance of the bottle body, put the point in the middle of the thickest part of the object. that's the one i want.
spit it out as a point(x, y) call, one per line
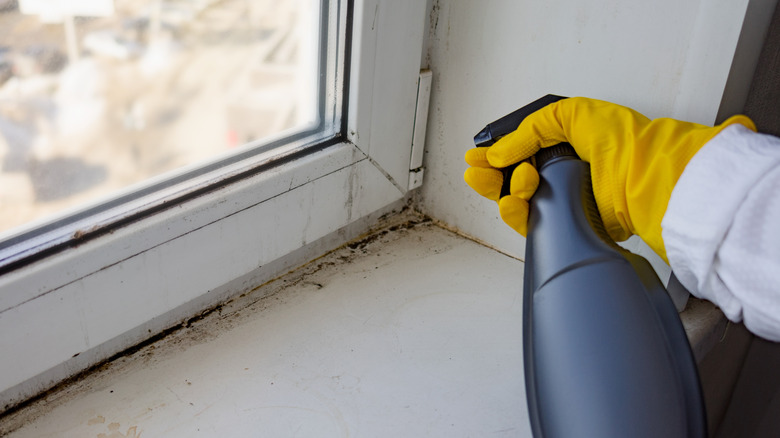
point(605, 352)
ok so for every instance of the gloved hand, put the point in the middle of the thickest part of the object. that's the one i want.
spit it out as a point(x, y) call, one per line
point(635, 162)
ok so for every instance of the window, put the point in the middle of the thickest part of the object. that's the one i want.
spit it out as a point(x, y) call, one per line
point(94, 107)
point(79, 289)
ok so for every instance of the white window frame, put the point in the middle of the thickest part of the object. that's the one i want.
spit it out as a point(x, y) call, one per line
point(73, 309)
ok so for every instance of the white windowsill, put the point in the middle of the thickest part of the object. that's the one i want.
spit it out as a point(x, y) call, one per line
point(411, 331)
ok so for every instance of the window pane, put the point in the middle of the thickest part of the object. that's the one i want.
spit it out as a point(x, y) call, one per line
point(131, 89)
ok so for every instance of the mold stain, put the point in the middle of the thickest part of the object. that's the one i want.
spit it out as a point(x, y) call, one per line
point(97, 420)
point(114, 429)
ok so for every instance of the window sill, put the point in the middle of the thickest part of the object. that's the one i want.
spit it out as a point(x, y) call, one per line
point(389, 335)
point(395, 323)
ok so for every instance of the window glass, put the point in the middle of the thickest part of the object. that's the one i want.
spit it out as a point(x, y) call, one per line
point(97, 95)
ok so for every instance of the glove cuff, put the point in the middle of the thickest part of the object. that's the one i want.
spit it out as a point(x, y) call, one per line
point(610, 179)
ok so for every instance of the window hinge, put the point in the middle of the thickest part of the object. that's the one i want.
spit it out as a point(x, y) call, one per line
point(420, 122)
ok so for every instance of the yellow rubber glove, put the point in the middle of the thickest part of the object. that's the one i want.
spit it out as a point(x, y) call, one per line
point(635, 162)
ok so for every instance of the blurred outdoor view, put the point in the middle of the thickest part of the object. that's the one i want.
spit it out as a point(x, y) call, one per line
point(96, 95)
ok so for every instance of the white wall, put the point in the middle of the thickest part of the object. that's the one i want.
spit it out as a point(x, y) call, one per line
point(665, 58)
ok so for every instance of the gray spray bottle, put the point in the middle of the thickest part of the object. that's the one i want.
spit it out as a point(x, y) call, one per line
point(605, 351)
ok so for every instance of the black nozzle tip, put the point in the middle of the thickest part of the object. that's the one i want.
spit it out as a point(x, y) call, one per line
point(484, 138)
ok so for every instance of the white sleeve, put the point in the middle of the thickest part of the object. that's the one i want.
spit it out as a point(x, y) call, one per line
point(721, 229)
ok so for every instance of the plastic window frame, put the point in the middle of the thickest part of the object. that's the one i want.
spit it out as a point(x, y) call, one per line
point(110, 288)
